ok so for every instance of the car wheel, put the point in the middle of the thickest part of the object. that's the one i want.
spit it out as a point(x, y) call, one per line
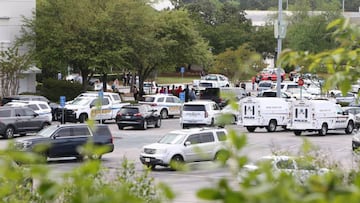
point(120, 127)
point(164, 114)
point(144, 125)
point(212, 122)
point(250, 129)
point(151, 166)
point(9, 132)
point(176, 161)
point(234, 119)
point(349, 128)
point(272, 126)
point(158, 123)
point(79, 157)
point(95, 156)
point(323, 129)
point(83, 118)
point(297, 132)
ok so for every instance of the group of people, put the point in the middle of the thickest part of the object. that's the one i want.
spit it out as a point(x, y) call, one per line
point(190, 94)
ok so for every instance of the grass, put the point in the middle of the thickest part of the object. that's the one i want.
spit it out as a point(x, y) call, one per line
point(175, 80)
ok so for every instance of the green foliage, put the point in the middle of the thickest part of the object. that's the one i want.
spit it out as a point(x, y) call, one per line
point(53, 89)
point(237, 64)
point(341, 62)
point(12, 64)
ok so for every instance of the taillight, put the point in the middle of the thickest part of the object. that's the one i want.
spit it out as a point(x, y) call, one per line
point(138, 115)
point(118, 114)
point(206, 114)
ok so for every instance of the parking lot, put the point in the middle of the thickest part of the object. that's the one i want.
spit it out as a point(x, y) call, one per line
point(336, 146)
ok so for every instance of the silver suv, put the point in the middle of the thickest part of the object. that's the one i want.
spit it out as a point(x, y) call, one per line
point(20, 120)
point(191, 145)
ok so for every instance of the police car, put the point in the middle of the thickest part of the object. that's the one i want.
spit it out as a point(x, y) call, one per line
point(167, 105)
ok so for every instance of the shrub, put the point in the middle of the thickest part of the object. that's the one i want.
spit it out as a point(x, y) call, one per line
point(53, 89)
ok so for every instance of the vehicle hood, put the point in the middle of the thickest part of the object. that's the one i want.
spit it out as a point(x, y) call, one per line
point(71, 106)
point(158, 146)
point(34, 139)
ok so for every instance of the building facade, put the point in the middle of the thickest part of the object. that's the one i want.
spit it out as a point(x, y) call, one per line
point(12, 13)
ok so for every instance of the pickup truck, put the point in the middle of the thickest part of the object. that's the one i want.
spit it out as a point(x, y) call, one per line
point(89, 105)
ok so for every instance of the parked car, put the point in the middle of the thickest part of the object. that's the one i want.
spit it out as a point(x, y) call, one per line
point(54, 106)
point(199, 113)
point(65, 140)
point(138, 115)
point(273, 93)
point(356, 142)
point(40, 107)
point(191, 145)
point(345, 99)
point(20, 120)
point(265, 85)
point(150, 87)
point(298, 167)
point(270, 74)
point(167, 105)
point(233, 114)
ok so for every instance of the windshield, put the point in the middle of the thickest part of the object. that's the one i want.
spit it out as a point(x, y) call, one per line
point(47, 132)
point(211, 77)
point(81, 101)
point(172, 138)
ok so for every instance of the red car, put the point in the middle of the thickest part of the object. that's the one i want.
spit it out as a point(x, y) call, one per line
point(270, 74)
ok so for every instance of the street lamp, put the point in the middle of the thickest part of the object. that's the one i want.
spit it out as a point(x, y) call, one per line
point(278, 75)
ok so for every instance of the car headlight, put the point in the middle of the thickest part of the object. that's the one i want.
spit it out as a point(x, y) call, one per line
point(160, 151)
point(23, 144)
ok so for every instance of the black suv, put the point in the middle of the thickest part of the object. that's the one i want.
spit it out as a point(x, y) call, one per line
point(138, 115)
point(20, 120)
point(65, 140)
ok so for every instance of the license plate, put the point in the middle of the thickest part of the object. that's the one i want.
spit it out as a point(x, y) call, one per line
point(127, 116)
point(147, 159)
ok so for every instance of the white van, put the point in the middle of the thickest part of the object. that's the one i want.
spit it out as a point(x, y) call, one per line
point(268, 112)
point(319, 115)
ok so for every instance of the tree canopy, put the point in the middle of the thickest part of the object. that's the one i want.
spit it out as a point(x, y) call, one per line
point(96, 36)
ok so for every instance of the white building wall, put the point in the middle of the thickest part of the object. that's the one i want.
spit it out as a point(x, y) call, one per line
point(12, 13)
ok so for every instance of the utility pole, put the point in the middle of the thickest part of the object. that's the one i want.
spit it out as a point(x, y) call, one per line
point(279, 42)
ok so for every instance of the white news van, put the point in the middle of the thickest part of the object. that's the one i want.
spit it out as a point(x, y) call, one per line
point(268, 112)
point(319, 115)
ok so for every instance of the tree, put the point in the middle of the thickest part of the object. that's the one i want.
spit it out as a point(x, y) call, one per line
point(75, 34)
point(238, 64)
point(223, 24)
point(307, 30)
point(12, 64)
point(341, 62)
point(158, 40)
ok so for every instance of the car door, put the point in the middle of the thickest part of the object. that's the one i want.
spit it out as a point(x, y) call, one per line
point(175, 105)
point(206, 146)
point(191, 147)
point(26, 120)
point(67, 140)
point(341, 118)
point(148, 114)
point(20, 120)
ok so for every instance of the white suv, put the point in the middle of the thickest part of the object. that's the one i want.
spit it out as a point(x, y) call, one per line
point(191, 145)
point(199, 112)
point(167, 105)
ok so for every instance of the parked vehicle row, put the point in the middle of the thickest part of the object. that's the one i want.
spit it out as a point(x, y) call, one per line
point(295, 115)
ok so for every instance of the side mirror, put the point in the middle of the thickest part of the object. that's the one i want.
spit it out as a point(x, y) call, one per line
point(92, 105)
point(187, 143)
point(36, 114)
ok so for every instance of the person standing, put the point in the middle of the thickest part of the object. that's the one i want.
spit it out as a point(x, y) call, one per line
point(135, 92)
point(192, 95)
